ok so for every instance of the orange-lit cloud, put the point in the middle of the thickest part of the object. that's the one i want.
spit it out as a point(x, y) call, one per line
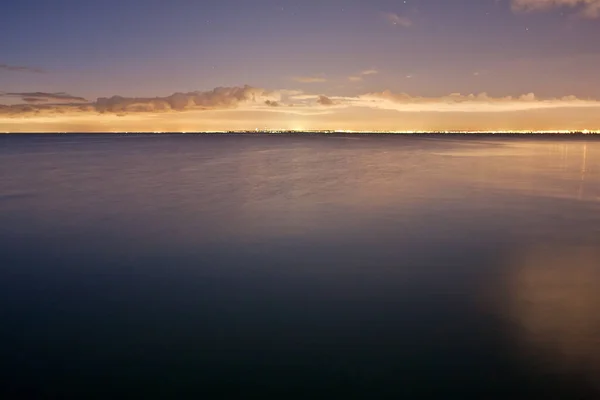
point(325, 101)
point(359, 77)
point(470, 103)
point(588, 8)
point(369, 72)
point(62, 103)
point(221, 97)
point(247, 107)
point(37, 110)
point(248, 97)
point(309, 79)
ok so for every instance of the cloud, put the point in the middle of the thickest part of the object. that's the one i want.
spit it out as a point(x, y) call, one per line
point(252, 99)
point(303, 97)
point(20, 68)
point(38, 97)
point(38, 110)
point(33, 100)
point(325, 101)
point(359, 76)
point(369, 72)
point(309, 79)
point(216, 99)
point(290, 92)
point(398, 20)
point(587, 8)
point(457, 102)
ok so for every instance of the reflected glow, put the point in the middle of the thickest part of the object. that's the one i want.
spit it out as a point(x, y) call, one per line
point(556, 302)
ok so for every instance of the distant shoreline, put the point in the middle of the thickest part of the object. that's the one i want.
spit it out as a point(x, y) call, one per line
point(584, 133)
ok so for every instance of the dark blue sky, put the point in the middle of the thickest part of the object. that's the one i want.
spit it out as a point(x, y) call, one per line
point(186, 45)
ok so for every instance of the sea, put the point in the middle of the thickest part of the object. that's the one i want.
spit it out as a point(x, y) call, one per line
point(299, 266)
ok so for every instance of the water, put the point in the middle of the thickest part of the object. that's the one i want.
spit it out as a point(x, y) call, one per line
point(299, 267)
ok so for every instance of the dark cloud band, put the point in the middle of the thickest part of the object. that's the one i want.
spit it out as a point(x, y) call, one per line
point(36, 97)
point(20, 68)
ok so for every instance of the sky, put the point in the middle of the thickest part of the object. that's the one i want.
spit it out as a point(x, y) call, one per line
point(153, 65)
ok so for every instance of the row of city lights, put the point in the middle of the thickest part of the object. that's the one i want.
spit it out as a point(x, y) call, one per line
point(487, 132)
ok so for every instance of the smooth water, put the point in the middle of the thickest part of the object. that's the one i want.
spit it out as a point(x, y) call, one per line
point(307, 266)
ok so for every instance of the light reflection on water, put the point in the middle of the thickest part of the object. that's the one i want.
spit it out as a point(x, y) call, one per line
point(555, 301)
point(270, 264)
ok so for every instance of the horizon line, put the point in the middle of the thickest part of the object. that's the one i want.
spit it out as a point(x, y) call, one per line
point(329, 131)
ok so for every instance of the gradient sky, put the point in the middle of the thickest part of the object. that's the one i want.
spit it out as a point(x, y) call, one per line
point(335, 64)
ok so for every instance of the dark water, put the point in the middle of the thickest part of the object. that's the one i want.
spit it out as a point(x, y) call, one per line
point(299, 267)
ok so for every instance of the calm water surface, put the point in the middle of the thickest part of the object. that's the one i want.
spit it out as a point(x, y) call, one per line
point(299, 267)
